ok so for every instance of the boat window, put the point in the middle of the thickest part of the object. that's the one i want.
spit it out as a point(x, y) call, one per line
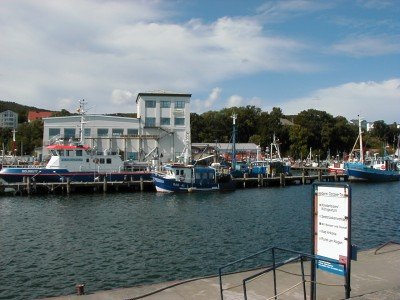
point(78, 153)
point(54, 152)
point(197, 175)
point(182, 172)
point(61, 152)
point(87, 160)
point(68, 153)
point(102, 160)
point(176, 172)
point(109, 160)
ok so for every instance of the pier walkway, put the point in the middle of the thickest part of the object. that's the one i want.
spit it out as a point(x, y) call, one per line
point(375, 275)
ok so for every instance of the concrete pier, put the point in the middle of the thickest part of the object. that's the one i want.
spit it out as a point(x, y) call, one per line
point(375, 275)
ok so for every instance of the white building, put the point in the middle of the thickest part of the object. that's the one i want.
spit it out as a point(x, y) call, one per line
point(8, 119)
point(161, 129)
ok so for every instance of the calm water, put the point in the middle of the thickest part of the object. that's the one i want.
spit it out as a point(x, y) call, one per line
point(49, 244)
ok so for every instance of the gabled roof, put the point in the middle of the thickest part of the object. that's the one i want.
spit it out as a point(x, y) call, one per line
point(34, 115)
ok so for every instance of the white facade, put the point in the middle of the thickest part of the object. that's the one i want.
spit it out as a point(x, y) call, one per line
point(159, 131)
point(166, 115)
point(8, 119)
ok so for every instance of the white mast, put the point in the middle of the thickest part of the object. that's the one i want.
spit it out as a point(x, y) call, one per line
point(81, 110)
point(361, 144)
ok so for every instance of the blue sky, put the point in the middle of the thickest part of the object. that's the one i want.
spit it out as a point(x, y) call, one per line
point(339, 56)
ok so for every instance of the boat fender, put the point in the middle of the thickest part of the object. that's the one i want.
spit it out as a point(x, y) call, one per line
point(383, 167)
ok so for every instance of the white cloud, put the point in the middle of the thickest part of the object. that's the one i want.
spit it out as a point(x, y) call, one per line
point(371, 100)
point(93, 48)
point(202, 105)
point(119, 97)
point(235, 100)
point(369, 45)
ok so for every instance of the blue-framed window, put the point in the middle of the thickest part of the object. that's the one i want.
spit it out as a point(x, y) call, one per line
point(179, 121)
point(165, 104)
point(180, 104)
point(165, 121)
point(132, 131)
point(132, 155)
point(117, 131)
point(150, 103)
point(54, 132)
point(86, 132)
point(69, 133)
point(150, 122)
point(101, 132)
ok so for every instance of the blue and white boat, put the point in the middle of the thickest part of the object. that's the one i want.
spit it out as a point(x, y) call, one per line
point(185, 178)
point(378, 169)
point(75, 162)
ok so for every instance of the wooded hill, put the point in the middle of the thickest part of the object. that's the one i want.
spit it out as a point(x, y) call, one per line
point(21, 110)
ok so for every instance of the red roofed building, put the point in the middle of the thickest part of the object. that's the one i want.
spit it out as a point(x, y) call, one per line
point(34, 115)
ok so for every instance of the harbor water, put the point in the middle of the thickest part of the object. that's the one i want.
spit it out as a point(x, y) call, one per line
point(48, 244)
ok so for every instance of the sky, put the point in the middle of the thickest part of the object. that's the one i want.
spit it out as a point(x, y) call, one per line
point(339, 56)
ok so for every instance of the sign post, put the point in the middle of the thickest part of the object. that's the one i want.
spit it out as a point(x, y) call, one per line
point(331, 231)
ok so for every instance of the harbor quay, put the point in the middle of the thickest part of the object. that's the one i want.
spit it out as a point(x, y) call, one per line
point(31, 187)
point(374, 275)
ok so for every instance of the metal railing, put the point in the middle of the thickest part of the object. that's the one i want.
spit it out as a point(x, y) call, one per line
point(275, 265)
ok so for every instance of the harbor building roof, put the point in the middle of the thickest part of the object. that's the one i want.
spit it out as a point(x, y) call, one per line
point(162, 93)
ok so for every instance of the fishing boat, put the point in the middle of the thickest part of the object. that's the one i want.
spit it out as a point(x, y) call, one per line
point(74, 161)
point(185, 178)
point(372, 168)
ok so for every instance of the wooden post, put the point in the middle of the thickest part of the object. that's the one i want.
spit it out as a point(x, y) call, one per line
point(105, 184)
point(319, 175)
point(303, 179)
point(68, 186)
point(262, 180)
point(259, 179)
point(282, 179)
point(335, 178)
point(141, 184)
point(244, 180)
point(28, 185)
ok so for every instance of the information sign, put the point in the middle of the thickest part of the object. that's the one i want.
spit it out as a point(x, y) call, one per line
point(332, 226)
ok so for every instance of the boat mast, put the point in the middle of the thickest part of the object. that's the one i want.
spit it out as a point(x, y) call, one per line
point(361, 145)
point(234, 117)
point(81, 110)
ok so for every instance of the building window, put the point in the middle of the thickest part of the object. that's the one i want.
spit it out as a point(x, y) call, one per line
point(150, 122)
point(133, 155)
point(117, 131)
point(180, 104)
point(86, 131)
point(150, 103)
point(165, 104)
point(165, 121)
point(78, 153)
point(54, 132)
point(69, 133)
point(108, 160)
point(132, 131)
point(179, 121)
point(102, 132)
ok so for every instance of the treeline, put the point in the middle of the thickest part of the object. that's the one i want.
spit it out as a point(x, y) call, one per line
point(310, 128)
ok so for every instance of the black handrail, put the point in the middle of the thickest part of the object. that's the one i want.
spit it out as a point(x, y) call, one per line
point(300, 255)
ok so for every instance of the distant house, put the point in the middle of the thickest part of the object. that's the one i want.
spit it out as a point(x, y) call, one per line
point(8, 119)
point(35, 115)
